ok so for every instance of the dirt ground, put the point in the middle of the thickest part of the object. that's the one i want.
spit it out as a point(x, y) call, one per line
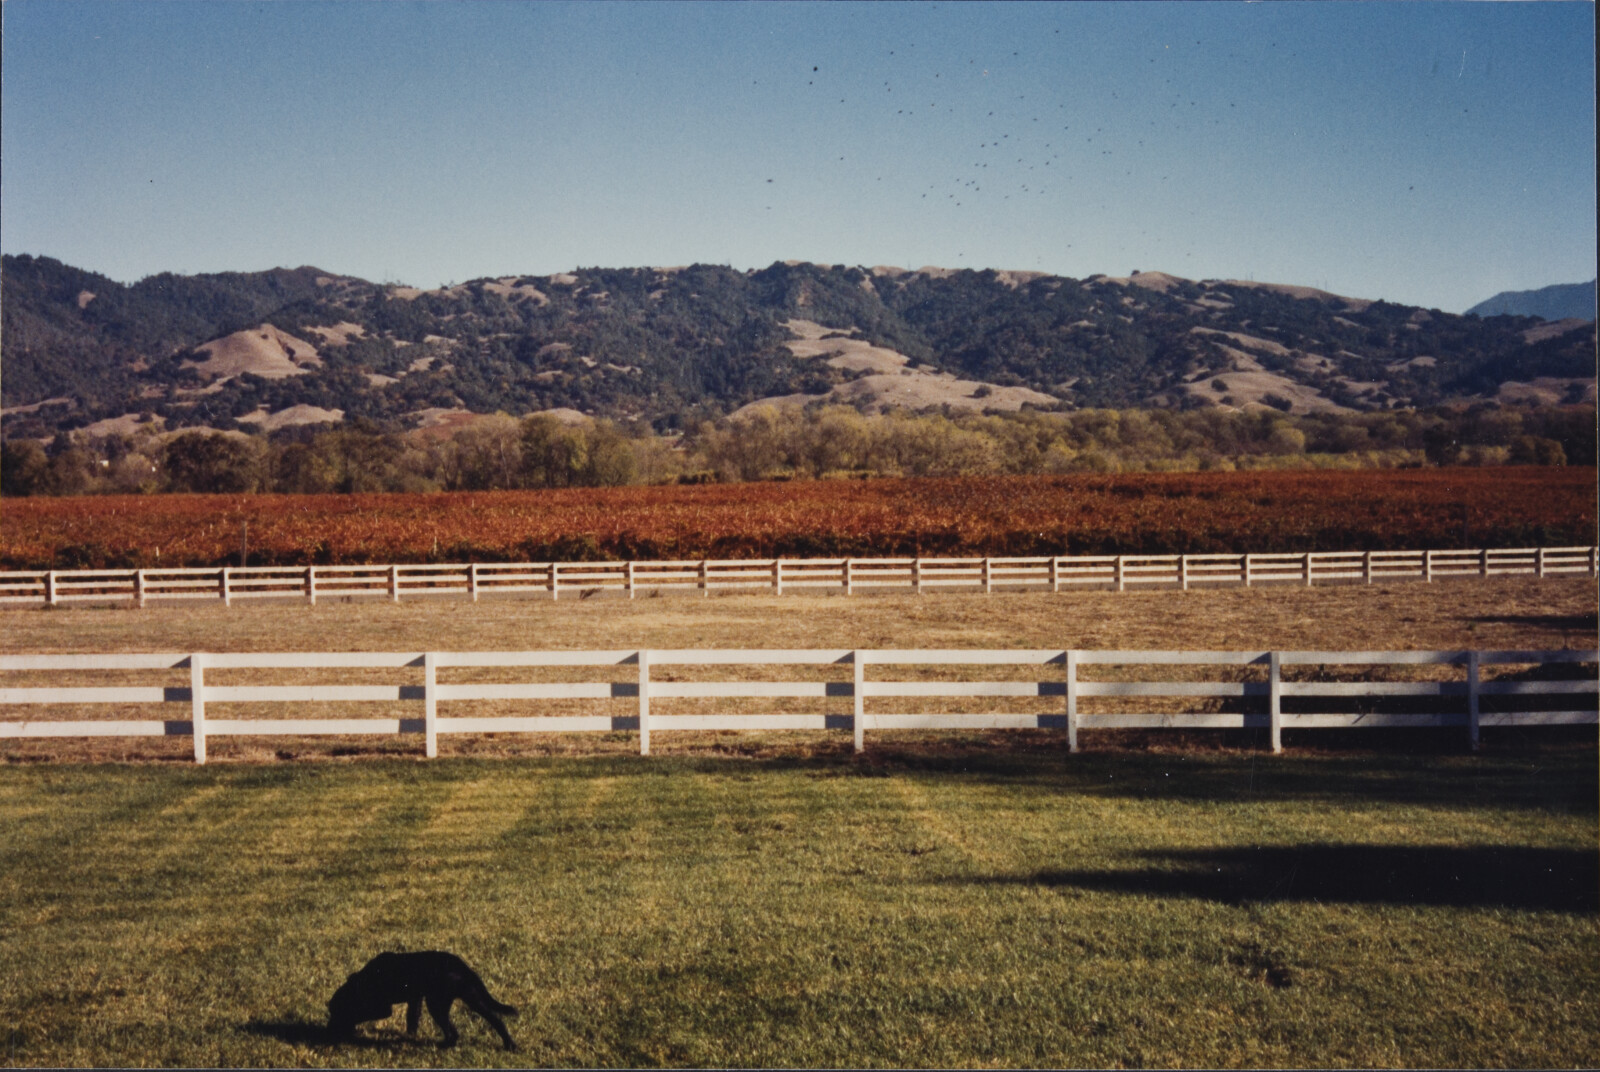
point(1497, 614)
point(1471, 613)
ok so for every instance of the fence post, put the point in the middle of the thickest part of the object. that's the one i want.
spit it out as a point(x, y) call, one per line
point(1183, 572)
point(987, 581)
point(555, 582)
point(858, 723)
point(1116, 572)
point(1275, 701)
point(1055, 574)
point(224, 582)
point(1483, 562)
point(430, 704)
point(1366, 566)
point(472, 580)
point(705, 577)
point(1072, 701)
point(394, 584)
point(311, 585)
point(916, 575)
point(1594, 560)
point(197, 704)
point(1427, 565)
point(644, 703)
point(138, 587)
point(1308, 569)
point(1249, 565)
point(50, 587)
point(1472, 700)
point(777, 576)
point(1538, 562)
point(849, 576)
point(628, 575)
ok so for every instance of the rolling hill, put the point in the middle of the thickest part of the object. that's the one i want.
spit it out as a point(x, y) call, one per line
point(672, 346)
point(1564, 301)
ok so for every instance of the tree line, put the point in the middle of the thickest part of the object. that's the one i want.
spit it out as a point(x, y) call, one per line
point(773, 443)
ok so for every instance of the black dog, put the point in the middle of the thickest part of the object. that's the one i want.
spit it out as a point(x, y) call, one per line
point(414, 978)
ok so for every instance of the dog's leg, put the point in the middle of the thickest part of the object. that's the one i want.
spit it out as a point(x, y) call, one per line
point(439, 1009)
point(478, 1006)
point(413, 1015)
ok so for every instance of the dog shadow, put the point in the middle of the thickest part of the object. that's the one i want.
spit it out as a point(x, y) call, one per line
point(298, 1032)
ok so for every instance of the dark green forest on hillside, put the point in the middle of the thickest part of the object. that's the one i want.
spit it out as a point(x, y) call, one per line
point(674, 348)
point(54, 343)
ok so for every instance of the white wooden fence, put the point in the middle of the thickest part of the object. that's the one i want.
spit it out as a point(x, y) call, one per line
point(1256, 686)
point(847, 575)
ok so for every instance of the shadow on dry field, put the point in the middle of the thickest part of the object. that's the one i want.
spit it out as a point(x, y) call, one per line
point(1583, 622)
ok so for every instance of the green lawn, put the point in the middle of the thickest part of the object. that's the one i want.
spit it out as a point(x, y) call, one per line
point(975, 904)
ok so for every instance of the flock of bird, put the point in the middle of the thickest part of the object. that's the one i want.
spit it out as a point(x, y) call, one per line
point(1024, 149)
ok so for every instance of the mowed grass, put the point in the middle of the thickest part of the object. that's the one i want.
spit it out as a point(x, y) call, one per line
point(974, 906)
point(771, 899)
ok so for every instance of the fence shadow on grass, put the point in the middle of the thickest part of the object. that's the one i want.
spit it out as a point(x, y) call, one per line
point(1552, 769)
point(1544, 774)
point(1472, 876)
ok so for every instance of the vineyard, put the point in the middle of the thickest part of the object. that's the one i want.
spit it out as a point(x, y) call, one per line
point(1157, 513)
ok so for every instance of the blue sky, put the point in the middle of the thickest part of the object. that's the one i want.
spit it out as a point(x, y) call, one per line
point(1431, 154)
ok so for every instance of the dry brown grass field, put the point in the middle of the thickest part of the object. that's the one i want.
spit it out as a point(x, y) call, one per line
point(1503, 613)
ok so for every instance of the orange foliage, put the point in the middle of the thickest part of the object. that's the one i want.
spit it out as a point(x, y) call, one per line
point(1081, 514)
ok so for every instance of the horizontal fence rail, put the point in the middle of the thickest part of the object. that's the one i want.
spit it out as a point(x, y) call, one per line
point(954, 688)
point(779, 575)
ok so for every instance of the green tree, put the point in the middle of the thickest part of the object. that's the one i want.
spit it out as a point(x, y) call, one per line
point(202, 462)
point(24, 469)
point(1537, 450)
point(487, 455)
point(555, 454)
point(612, 459)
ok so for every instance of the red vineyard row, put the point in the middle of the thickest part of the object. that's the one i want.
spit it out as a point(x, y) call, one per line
point(1189, 513)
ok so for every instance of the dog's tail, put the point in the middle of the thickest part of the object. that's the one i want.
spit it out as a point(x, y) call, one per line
point(498, 1006)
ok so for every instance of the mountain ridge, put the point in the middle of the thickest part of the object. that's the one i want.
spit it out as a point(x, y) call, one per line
point(673, 346)
point(1561, 301)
